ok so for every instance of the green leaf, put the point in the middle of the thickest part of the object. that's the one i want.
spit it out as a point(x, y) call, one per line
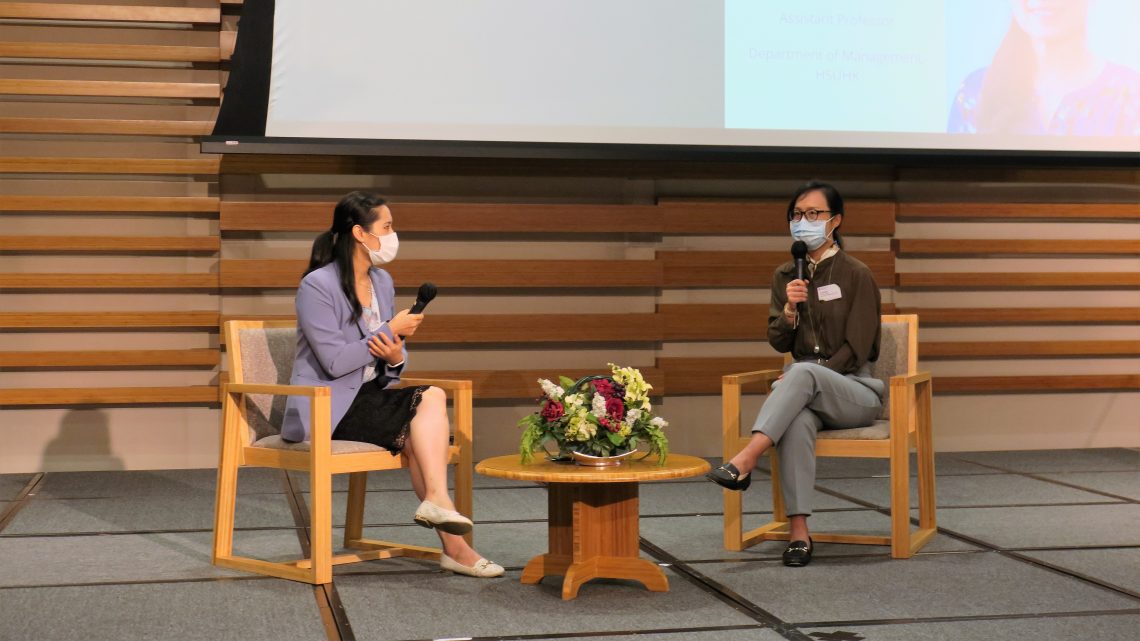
point(615, 438)
point(566, 383)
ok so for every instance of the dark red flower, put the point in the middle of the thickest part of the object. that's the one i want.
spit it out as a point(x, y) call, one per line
point(552, 410)
point(610, 424)
point(605, 387)
point(615, 408)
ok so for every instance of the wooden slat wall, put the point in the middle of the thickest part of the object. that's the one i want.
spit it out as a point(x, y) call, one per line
point(141, 223)
point(538, 276)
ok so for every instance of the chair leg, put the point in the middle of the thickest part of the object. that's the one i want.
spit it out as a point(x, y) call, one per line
point(927, 518)
point(733, 525)
point(354, 516)
point(900, 488)
point(779, 510)
point(225, 504)
point(320, 523)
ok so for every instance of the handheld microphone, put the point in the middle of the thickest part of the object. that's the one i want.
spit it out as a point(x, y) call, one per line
point(799, 255)
point(424, 296)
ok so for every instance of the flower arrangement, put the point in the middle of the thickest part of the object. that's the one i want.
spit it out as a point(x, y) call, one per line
point(596, 415)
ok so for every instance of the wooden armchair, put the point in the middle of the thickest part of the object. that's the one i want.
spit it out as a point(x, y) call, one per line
point(905, 422)
point(260, 358)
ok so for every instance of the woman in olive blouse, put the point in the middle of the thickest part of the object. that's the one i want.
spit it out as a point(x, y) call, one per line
point(830, 323)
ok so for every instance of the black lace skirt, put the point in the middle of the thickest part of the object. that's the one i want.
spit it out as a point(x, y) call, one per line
point(380, 416)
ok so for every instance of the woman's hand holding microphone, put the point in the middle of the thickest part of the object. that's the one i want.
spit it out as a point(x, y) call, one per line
point(392, 349)
point(797, 291)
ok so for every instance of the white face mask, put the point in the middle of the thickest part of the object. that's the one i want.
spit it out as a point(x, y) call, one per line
point(814, 234)
point(389, 245)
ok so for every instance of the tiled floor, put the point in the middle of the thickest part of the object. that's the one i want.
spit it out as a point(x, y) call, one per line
point(1033, 545)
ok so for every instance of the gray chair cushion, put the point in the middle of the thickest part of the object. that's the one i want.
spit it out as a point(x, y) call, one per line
point(893, 359)
point(266, 359)
point(877, 431)
point(275, 442)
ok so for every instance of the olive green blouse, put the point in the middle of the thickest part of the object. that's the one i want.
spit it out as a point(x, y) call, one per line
point(841, 333)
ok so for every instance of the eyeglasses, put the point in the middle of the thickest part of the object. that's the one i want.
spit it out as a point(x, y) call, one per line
point(811, 214)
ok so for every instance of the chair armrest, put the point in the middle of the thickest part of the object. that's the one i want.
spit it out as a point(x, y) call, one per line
point(751, 377)
point(282, 390)
point(442, 383)
point(911, 380)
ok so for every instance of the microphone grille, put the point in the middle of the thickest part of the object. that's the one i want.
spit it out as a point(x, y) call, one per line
point(799, 249)
point(427, 292)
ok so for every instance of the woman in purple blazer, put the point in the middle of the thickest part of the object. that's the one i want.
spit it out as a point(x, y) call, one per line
point(350, 340)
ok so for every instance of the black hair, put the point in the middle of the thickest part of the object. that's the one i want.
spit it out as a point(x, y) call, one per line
point(337, 245)
point(830, 193)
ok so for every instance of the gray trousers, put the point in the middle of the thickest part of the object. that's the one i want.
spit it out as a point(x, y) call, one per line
point(809, 398)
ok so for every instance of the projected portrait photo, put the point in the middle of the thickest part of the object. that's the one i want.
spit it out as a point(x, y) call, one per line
point(1061, 67)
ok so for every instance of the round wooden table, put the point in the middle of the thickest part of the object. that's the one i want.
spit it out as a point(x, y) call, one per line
point(593, 517)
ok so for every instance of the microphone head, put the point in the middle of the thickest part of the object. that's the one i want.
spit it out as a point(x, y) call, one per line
point(799, 249)
point(427, 293)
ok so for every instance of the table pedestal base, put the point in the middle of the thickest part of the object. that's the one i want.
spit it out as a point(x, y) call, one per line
point(593, 535)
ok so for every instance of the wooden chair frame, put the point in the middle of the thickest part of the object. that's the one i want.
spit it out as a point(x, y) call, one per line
point(321, 464)
point(911, 426)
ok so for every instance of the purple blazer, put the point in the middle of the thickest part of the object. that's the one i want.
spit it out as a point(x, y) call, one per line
point(332, 348)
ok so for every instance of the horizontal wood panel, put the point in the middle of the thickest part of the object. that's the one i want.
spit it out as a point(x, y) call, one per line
point(109, 320)
point(1034, 384)
point(65, 165)
point(109, 244)
point(99, 204)
point(749, 268)
point(111, 88)
point(109, 13)
point(451, 217)
point(64, 282)
point(110, 358)
point(697, 322)
point(994, 212)
point(1028, 280)
point(1022, 315)
point(703, 375)
point(1027, 349)
point(122, 396)
point(465, 273)
point(703, 322)
point(87, 51)
point(525, 328)
point(523, 384)
point(768, 217)
point(112, 126)
point(539, 328)
point(1018, 247)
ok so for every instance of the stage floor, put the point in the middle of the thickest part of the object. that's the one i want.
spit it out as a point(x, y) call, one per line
point(1032, 545)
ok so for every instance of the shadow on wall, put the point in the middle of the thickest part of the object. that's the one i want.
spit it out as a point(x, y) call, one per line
point(83, 443)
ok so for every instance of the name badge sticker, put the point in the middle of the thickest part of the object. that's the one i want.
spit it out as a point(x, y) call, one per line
point(829, 292)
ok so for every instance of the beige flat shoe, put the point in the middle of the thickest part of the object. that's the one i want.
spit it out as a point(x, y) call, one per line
point(430, 515)
point(483, 569)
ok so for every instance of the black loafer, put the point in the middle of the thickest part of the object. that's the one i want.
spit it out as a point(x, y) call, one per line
point(727, 476)
point(798, 553)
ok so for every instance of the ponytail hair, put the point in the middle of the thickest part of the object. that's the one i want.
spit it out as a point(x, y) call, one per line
point(830, 194)
point(337, 245)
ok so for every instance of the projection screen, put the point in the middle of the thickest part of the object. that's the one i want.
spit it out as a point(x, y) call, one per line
point(980, 75)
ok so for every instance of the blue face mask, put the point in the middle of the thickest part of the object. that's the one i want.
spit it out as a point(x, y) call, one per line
point(814, 234)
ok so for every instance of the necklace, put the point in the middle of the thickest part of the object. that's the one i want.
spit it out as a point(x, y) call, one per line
point(814, 323)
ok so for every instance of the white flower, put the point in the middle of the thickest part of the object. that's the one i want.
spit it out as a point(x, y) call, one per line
point(572, 401)
point(552, 391)
point(632, 416)
point(659, 422)
point(599, 406)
